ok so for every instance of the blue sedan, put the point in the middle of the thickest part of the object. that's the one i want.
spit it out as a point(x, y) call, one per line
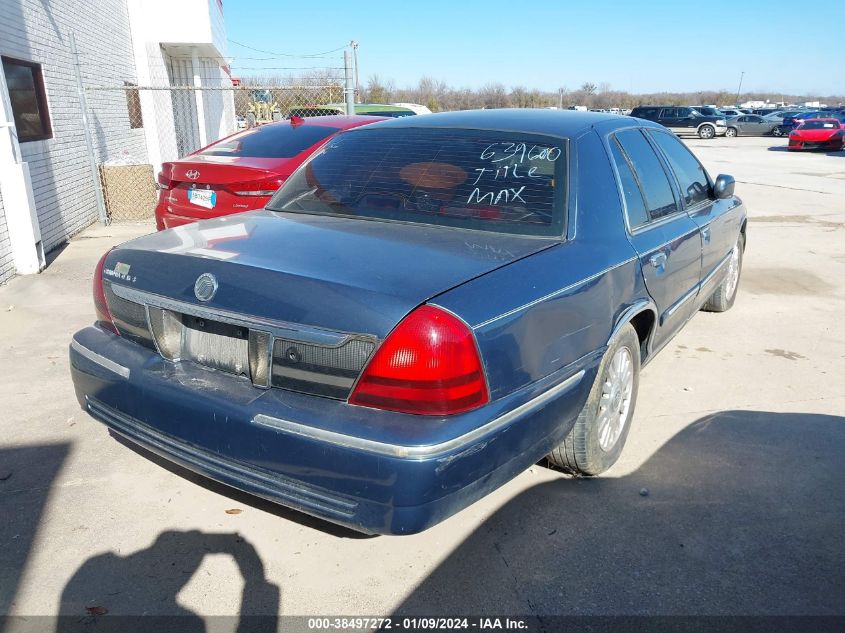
point(426, 308)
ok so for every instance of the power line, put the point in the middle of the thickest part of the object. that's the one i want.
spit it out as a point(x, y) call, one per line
point(239, 67)
point(258, 50)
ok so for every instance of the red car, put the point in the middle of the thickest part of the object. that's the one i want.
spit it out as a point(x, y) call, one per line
point(826, 134)
point(242, 171)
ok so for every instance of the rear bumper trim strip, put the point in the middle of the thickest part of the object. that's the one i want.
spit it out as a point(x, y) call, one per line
point(417, 452)
point(102, 361)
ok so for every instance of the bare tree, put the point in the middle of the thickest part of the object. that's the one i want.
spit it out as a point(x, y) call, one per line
point(493, 95)
point(325, 86)
point(588, 88)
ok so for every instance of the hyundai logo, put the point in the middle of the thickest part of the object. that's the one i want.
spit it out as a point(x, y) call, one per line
point(193, 174)
point(205, 287)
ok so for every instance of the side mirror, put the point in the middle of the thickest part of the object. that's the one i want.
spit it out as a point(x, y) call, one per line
point(724, 187)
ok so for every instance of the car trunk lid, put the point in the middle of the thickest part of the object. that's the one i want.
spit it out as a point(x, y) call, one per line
point(323, 289)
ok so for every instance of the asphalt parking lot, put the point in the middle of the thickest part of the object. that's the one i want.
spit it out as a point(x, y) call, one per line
point(729, 498)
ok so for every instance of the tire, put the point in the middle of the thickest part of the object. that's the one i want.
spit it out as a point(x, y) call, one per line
point(706, 131)
point(732, 132)
point(595, 442)
point(724, 296)
point(777, 132)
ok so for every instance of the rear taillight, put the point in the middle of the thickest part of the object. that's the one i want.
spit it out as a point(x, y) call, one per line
point(266, 187)
point(428, 365)
point(164, 182)
point(100, 306)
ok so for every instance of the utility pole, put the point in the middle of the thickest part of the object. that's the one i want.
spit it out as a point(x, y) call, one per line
point(560, 99)
point(738, 90)
point(354, 46)
point(349, 89)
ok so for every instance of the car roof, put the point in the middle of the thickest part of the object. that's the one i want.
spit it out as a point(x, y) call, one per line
point(565, 123)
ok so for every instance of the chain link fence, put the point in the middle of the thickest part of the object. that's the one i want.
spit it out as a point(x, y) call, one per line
point(134, 129)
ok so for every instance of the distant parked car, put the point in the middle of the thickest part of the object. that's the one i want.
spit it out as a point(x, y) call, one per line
point(683, 120)
point(792, 122)
point(824, 134)
point(750, 125)
point(731, 112)
point(240, 172)
point(415, 107)
point(423, 311)
point(780, 115)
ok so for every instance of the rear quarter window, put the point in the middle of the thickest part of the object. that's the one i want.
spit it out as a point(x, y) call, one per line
point(278, 140)
point(634, 203)
point(507, 182)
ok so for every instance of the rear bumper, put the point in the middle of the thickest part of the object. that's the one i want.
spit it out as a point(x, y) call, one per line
point(167, 220)
point(370, 470)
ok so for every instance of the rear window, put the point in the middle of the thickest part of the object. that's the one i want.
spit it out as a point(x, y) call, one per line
point(820, 125)
point(278, 140)
point(508, 182)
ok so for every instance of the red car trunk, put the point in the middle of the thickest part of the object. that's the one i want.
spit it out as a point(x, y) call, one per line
point(231, 187)
point(242, 171)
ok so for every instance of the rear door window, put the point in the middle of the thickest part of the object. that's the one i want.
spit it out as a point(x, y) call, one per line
point(652, 178)
point(693, 180)
point(508, 182)
point(277, 140)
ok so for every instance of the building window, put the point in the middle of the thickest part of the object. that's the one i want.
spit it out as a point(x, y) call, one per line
point(133, 105)
point(28, 99)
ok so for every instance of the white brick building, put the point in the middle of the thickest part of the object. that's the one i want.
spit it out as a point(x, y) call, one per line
point(48, 182)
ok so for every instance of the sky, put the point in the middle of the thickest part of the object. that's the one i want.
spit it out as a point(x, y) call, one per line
point(639, 47)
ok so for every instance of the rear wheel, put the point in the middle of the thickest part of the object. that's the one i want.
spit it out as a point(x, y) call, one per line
point(731, 131)
point(706, 131)
point(595, 442)
point(777, 132)
point(725, 295)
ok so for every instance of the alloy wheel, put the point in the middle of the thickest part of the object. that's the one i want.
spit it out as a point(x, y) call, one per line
point(615, 404)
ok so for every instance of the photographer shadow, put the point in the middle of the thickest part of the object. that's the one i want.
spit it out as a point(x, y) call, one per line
point(109, 591)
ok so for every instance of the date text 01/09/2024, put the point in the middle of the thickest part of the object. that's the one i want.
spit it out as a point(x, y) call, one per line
point(417, 623)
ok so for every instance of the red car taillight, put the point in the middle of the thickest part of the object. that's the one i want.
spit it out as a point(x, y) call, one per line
point(266, 187)
point(428, 365)
point(164, 182)
point(100, 306)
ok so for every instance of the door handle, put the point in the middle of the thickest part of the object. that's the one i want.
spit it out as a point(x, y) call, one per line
point(658, 260)
point(705, 234)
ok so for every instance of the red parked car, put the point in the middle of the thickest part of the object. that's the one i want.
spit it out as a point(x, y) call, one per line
point(240, 172)
point(826, 134)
